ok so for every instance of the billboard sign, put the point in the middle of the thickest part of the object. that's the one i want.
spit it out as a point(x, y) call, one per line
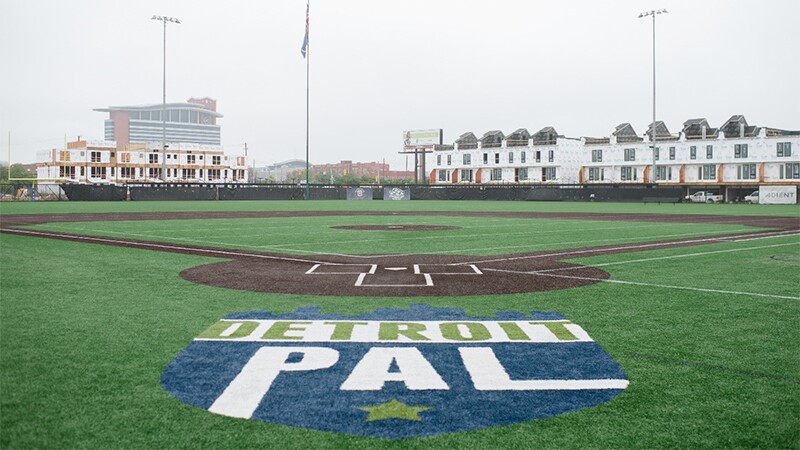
point(776, 195)
point(422, 138)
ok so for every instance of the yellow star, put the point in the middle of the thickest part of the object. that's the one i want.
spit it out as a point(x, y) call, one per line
point(393, 410)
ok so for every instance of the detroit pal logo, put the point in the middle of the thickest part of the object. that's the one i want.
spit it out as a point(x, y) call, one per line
point(393, 373)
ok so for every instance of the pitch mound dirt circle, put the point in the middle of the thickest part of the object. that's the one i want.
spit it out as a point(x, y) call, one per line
point(396, 227)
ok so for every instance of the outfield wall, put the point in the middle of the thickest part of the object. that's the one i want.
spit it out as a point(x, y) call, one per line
point(154, 192)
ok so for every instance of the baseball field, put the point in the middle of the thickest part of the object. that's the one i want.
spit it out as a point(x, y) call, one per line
point(413, 324)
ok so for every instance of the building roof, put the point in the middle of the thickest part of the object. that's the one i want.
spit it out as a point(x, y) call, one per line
point(518, 138)
point(662, 132)
point(624, 132)
point(546, 136)
point(158, 106)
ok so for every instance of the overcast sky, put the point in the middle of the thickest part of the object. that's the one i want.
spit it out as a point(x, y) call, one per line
point(379, 67)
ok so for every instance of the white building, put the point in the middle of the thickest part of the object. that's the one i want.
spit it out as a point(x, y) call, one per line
point(735, 154)
point(91, 162)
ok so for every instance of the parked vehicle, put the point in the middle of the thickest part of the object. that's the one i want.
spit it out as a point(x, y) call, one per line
point(752, 198)
point(704, 197)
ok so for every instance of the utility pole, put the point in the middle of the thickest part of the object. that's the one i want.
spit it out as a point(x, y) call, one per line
point(164, 98)
point(654, 134)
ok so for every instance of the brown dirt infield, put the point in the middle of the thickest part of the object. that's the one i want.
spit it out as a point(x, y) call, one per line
point(402, 275)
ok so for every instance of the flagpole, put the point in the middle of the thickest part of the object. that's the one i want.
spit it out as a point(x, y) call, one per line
point(308, 57)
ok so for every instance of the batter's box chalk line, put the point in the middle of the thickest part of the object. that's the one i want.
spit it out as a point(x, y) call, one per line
point(423, 272)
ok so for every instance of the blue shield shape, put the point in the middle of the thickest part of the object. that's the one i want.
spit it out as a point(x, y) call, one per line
point(393, 373)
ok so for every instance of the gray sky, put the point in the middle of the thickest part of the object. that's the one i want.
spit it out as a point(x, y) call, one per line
point(379, 67)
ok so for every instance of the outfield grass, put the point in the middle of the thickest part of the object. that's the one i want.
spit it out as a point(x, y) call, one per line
point(708, 335)
point(475, 236)
point(422, 205)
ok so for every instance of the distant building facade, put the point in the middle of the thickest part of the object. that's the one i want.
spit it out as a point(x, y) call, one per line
point(91, 162)
point(279, 172)
point(699, 155)
point(357, 169)
point(194, 121)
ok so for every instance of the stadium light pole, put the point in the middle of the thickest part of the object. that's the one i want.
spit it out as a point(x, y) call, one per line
point(654, 134)
point(164, 98)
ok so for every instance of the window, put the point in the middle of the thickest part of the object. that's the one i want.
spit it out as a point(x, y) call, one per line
point(663, 173)
point(658, 153)
point(95, 157)
point(169, 156)
point(82, 171)
point(174, 116)
point(189, 173)
point(784, 149)
point(551, 156)
point(740, 151)
point(466, 159)
point(126, 172)
point(790, 171)
point(200, 175)
point(66, 171)
point(538, 156)
point(184, 116)
point(693, 152)
point(523, 173)
point(466, 175)
point(596, 173)
point(522, 157)
point(193, 116)
point(442, 175)
point(438, 160)
point(486, 158)
point(597, 155)
point(630, 154)
point(153, 158)
point(449, 160)
point(672, 153)
point(64, 155)
point(746, 172)
point(497, 174)
point(215, 160)
point(155, 115)
point(628, 173)
point(709, 151)
point(214, 174)
point(511, 157)
point(191, 159)
point(497, 158)
point(548, 173)
point(707, 172)
point(154, 172)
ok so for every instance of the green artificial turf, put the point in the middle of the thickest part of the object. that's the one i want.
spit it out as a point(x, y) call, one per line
point(86, 330)
point(475, 235)
point(414, 205)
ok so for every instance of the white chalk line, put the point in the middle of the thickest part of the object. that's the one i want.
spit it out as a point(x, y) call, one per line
point(713, 239)
point(164, 247)
point(687, 255)
point(548, 273)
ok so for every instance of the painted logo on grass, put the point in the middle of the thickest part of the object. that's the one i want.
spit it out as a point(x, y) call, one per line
point(393, 373)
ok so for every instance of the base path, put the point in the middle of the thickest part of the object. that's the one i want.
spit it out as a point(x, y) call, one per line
point(401, 275)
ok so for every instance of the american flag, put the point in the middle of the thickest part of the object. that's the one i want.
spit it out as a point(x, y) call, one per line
point(305, 40)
